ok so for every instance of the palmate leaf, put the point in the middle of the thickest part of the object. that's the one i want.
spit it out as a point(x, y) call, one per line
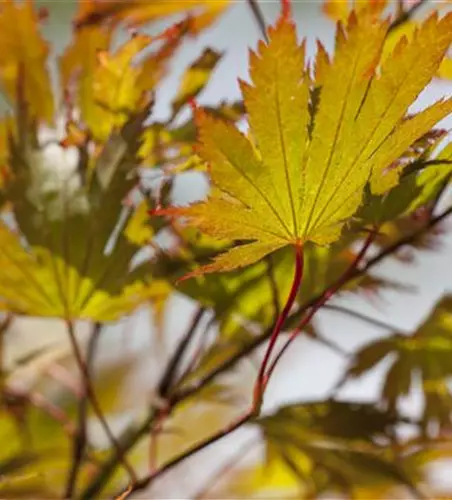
point(69, 258)
point(329, 446)
point(339, 10)
point(195, 78)
point(23, 58)
point(424, 176)
point(171, 146)
point(426, 353)
point(201, 13)
point(107, 86)
point(305, 176)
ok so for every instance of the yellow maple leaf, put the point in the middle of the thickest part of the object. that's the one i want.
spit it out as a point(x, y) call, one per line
point(339, 10)
point(109, 86)
point(23, 58)
point(70, 254)
point(201, 13)
point(78, 66)
point(301, 178)
point(195, 78)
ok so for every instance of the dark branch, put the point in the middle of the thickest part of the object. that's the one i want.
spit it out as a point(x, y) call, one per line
point(168, 377)
point(259, 17)
point(362, 317)
point(406, 16)
point(145, 482)
point(80, 436)
point(91, 396)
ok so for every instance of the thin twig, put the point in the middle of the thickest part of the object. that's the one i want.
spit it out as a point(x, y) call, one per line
point(225, 468)
point(4, 325)
point(406, 16)
point(91, 395)
point(259, 17)
point(133, 435)
point(145, 482)
point(362, 317)
point(128, 440)
point(168, 377)
point(80, 435)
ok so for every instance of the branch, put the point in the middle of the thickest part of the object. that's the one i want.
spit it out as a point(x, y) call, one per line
point(4, 325)
point(80, 435)
point(91, 396)
point(406, 16)
point(167, 380)
point(259, 17)
point(132, 436)
point(362, 317)
point(145, 482)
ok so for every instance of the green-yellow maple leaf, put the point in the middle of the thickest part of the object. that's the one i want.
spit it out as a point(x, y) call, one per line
point(301, 175)
point(69, 255)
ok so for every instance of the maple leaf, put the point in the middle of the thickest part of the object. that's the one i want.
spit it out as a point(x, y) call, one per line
point(339, 10)
point(23, 58)
point(302, 176)
point(424, 175)
point(109, 86)
point(171, 146)
point(195, 78)
point(201, 13)
point(67, 256)
point(329, 445)
point(426, 352)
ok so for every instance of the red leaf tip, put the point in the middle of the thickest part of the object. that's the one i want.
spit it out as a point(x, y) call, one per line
point(286, 9)
point(43, 14)
point(193, 104)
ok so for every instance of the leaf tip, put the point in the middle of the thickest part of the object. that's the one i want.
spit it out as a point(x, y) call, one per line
point(286, 10)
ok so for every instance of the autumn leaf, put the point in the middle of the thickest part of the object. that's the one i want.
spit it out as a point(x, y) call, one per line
point(339, 10)
point(201, 13)
point(60, 259)
point(195, 78)
point(302, 176)
point(109, 86)
point(328, 446)
point(170, 145)
point(426, 352)
point(23, 58)
point(425, 172)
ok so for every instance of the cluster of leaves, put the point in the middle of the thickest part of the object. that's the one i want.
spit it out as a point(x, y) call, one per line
point(333, 152)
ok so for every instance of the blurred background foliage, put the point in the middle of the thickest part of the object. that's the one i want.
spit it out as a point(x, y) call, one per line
point(96, 133)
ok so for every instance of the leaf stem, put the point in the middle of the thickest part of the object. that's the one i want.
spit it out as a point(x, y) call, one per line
point(262, 377)
point(169, 375)
point(328, 293)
